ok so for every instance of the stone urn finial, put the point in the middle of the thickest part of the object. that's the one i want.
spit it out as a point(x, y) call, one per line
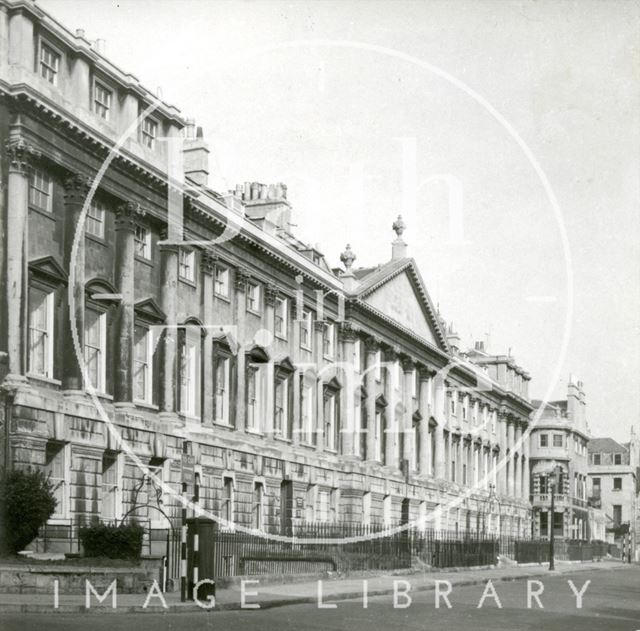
point(347, 258)
point(399, 226)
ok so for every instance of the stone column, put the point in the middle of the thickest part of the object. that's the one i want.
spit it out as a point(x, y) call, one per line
point(424, 436)
point(439, 403)
point(124, 322)
point(240, 314)
point(518, 465)
point(169, 304)
point(207, 267)
point(408, 435)
point(526, 473)
point(371, 348)
point(296, 357)
point(511, 444)
point(20, 156)
point(347, 400)
point(390, 429)
point(319, 327)
point(76, 189)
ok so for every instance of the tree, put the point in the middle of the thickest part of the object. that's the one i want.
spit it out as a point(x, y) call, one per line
point(27, 502)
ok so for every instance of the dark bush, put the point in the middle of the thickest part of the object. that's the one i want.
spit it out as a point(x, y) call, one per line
point(27, 502)
point(113, 542)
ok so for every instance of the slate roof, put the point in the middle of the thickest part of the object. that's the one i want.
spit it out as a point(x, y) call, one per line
point(605, 445)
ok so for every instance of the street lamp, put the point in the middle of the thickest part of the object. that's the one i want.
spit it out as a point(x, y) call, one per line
point(553, 479)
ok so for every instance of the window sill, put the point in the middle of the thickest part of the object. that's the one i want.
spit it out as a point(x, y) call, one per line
point(143, 260)
point(222, 297)
point(145, 405)
point(186, 281)
point(42, 211)
point(43, 379)
point(255, 432)
point(96, 239)
point(329, 358)
point(305, 348)
point(282, 439)
point(253, 312)
point(225, 424)
point(280, 336)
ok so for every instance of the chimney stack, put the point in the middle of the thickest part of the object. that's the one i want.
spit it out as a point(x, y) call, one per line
point(196, 154)
point(453, 338)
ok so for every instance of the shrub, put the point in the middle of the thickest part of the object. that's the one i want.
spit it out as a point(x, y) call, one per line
point(27, 501)
point(113, 542)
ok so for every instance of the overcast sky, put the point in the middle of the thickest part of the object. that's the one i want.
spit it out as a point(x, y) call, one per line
point(329, 120)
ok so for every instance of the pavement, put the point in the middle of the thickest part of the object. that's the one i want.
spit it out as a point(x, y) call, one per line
point(320, 592)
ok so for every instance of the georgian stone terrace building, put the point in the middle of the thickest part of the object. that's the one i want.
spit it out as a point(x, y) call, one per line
point(302, 393)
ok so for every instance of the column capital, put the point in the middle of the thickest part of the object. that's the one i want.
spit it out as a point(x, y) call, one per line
point(424, 374)
point(76, 187)
point(164, 244)
point(391, 353)
point(270, 294)
point(126, 215)
point(208, 261)
point(348, 331)
point(371, 344)
point(319, 325)
point(21, 155)
point(241, 277)
point(407, 363)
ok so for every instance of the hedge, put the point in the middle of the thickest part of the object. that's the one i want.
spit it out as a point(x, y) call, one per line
point(113, 542)
point(27, 501)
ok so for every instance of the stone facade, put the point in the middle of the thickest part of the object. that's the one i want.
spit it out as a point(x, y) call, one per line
point(560, 441)
point(614, 484)
point(206, 329)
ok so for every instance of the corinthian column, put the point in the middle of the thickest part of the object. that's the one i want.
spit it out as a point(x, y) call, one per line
point(371, 349)
point(76, 188)
point(125, 258)
point(408, 434)
point(439, 403)
point(20, 156)
point(168, 299)
point(424, 448)
point(348, 337)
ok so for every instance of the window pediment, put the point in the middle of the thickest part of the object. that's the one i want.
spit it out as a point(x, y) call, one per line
point(48, 270)
point(100, 289)
point(148, 309)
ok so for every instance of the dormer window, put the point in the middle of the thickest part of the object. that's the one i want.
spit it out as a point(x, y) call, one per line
point(149, 132)
point(102, 100)
point(617, 458)
point(49, 63)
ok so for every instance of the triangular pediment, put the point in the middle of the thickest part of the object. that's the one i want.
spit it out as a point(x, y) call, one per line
point(401, 296)
point(48, 269)
point(149, 310)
